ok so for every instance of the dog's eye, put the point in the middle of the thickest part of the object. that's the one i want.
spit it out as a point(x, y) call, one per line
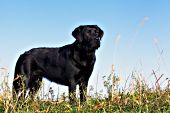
point(89, 31)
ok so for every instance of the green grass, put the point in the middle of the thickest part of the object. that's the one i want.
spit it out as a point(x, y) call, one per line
point(140, 99)
point(148, 102)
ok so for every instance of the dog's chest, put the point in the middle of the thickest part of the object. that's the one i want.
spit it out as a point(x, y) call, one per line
point(82, 60)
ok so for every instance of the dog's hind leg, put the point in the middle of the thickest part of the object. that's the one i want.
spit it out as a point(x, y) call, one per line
point(33, 83)
point(29, 75)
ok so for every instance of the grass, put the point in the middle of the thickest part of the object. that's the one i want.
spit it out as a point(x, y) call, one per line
point(139, 99)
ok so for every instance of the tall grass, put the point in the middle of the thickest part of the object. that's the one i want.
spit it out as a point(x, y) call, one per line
point(137, 98)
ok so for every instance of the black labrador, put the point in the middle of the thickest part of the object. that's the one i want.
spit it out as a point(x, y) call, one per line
point(68, 65)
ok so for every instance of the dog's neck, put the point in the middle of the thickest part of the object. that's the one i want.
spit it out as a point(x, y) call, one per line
point(83, 49)
point(81, 56)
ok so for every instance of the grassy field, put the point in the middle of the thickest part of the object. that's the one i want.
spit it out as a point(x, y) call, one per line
point(139, 99)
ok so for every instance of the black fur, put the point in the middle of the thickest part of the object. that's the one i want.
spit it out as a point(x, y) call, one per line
point(68, 65)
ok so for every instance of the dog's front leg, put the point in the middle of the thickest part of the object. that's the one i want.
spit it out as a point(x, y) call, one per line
point(72, 91)
point(83, 91)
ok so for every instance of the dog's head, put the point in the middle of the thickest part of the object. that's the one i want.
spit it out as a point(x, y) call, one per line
point(88, 36)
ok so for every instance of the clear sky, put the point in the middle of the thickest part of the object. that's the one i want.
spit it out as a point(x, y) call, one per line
point(136, 32)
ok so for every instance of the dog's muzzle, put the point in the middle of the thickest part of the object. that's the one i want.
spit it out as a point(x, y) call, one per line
point(97, 42)
point(98, 38)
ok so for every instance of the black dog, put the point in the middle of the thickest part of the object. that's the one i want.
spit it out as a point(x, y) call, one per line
point(68, 65)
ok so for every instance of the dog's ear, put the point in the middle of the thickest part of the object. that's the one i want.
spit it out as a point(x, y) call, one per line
point(101, 33)
point(77, 33)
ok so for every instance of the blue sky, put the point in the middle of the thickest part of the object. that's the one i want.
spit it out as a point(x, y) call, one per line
point(136, 32)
